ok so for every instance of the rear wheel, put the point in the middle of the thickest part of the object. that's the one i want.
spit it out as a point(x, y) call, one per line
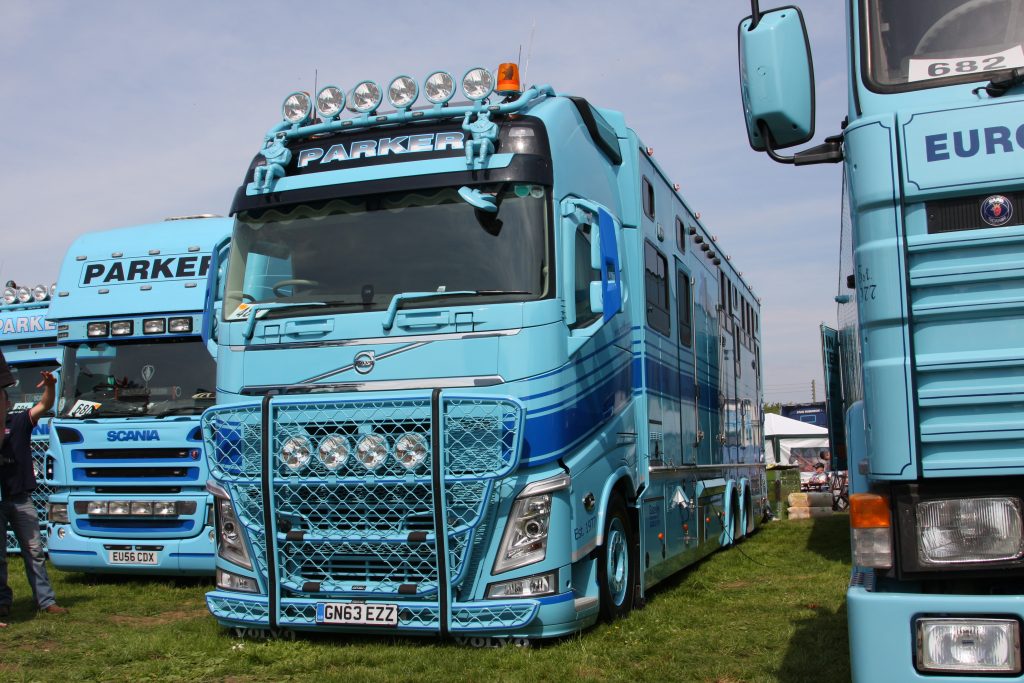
point(617, 563)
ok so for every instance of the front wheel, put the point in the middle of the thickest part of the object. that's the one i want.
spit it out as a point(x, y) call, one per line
point(617, 563)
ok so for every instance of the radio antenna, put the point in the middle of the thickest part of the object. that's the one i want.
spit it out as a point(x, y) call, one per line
point(316, 75)
point(529, 50)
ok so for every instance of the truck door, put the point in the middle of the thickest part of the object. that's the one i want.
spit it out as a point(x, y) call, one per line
point(689, 409)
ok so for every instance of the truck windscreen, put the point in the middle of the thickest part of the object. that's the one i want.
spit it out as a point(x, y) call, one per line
point(25, 394)
point(355, 254)
point(137, 379)
point(910, 43)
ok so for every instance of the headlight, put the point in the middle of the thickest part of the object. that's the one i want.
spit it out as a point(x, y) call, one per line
point(477, 84)
point(333, 452)
point(120, 328)
point(526, 533)
point(142, 507)
point(40, 292)
point(24, 295)
point(365, 97)
point(371, 451)
point(57, 513)
point(10, 295)
point(229, 532)
point(968, 645)
point(330, 101)
point(165, 508)
point(119, 507)
point(402, 92)
point(964, 530)
point(96, 507)
point(97, 329)
point(411, 449)
point(154, 326)
point(234, 582)
point(295, 452)
point(439, 87)
point(297, 107)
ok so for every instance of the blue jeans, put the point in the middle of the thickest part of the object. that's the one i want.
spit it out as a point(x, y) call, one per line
point(20, 513)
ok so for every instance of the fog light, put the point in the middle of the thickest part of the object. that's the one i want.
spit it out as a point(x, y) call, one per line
point(96, 507)
point(968, 645)
point(180, 325)
point(142, 507)
point(154, 326)
point(97, 329)
point(527, 587)
point(371, 451)
point(62, 532)
point(234, 582)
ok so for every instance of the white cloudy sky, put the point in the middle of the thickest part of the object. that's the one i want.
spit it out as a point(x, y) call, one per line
point(118, 112)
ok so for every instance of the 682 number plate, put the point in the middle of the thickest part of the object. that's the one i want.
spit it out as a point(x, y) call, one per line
point(356, 614)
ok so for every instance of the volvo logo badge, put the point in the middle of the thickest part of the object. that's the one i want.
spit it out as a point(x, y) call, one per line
point(996, 210)
point(364, 362)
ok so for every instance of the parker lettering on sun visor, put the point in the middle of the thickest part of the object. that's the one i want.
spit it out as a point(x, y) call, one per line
point(140, 270)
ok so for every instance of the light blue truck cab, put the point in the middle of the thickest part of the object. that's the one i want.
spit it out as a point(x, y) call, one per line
point(28, 341)
point(482, 371)
point(930, 341)
point(127, 443)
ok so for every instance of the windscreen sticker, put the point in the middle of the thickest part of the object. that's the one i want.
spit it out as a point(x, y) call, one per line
point(241, 313)
point(21, 405)
point(147, 373)
point(83, 408)
point(944, 67)
point(204, 396)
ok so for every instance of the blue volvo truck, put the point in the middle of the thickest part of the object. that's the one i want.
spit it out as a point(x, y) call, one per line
point(29, 344)
point(930, 342)
point(126, 440)
point(483, 373)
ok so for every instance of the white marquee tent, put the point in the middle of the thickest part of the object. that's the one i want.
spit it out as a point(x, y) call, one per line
point(782, 434)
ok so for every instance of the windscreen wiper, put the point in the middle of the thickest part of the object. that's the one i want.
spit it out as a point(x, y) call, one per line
point(397, 299)
point(999, 85)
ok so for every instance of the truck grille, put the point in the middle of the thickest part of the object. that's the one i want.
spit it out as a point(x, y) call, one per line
point(355, 532)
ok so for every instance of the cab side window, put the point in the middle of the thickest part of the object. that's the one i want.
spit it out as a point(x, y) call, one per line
point(584, 275)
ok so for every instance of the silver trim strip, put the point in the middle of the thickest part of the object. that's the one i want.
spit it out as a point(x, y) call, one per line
point(217, 490)
point(556, 483)
point(371, 341)
point(351, 366)
point(383, 385)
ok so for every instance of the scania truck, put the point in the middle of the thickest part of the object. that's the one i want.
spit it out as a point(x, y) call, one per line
point(126, 441)
point(930, 337)
point(29, 344)
point(482, 373)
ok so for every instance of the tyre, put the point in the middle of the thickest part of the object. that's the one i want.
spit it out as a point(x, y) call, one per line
point(617, 563)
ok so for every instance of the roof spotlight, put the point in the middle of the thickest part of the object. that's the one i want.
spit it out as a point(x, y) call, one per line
point(297, 107)
point(24, 295)
point(365, 97)
point(40, 292)
point(402, 92)
point(10, 295)
point(477, 84)
point(439, 87)
point(330, 101)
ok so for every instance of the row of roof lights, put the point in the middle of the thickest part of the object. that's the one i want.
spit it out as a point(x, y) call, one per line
point(13, 294)
point(402, 92)
point(122, 328)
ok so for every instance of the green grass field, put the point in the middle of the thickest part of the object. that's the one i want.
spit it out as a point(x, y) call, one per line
point(771, 609)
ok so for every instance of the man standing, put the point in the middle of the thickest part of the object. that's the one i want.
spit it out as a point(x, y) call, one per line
point(17, 481)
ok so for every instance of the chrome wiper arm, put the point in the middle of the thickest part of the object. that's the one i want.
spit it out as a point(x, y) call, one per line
point(257, 309)
point(392, 311)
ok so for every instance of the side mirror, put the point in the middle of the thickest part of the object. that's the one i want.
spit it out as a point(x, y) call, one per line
point(597, 296)
point(776, 79)
point(214, 294)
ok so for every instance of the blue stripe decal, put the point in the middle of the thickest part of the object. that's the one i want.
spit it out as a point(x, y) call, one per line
point(555, 599)
point(54, 551)
point(579, 360)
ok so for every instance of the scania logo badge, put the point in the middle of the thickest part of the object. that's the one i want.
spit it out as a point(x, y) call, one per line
point(996, 210)
point(364, 362)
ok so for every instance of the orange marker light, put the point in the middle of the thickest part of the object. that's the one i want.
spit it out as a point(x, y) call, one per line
point(869, 511)
point(508, 79)
point(661, 536)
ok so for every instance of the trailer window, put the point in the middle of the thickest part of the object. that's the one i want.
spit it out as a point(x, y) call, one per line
point(680, 235)
point(585, 274)
point(685, 318)
point(656, 286)
point(648, 198)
